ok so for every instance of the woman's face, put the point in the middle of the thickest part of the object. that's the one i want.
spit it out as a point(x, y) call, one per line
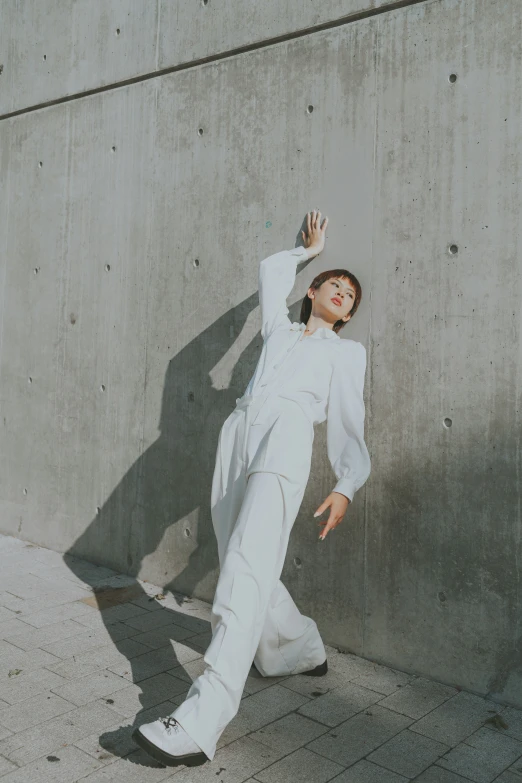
point(335, 296)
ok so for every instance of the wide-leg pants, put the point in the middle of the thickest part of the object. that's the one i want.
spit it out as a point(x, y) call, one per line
point(262, 467)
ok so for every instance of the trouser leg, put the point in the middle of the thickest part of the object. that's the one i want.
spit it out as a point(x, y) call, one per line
point(290, 642)
point(250, 569)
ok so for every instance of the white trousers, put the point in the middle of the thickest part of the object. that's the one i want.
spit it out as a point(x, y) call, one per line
point(253, 616)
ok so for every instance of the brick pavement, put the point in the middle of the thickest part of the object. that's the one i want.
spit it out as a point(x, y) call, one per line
point(86, 654)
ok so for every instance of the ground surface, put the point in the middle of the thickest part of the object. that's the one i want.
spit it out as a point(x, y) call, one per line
point(86, 654)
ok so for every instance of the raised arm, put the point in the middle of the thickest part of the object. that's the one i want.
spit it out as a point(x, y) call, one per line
point(277, 274)
point(346, 447)
point(276, 280)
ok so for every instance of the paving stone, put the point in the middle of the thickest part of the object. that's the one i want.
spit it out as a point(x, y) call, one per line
point(131, 700)
point(340, 704)
point(110, 615)
point(366, 772)
point(190, 670)
point(150, 621)
point(11, 544)
point(513, 719)
point(349, 665)
point(511, 775)
point(160, 637)
point(148, 602)
point(31, 712)
point(23, 606)
point(408, 753)
point(316, 686)
point(6, 766)
point(146, 665)
point(483, 756)
point(358, 736)
point(383, 679)
point(114, 741)
point(153, 647)
point(12, 657)
point(268, 705)
point(57, 614)
point(25, 585)
point(6, 615)
point(302, 766)
point(454, 720)
point(31, 638)
point(13, 627)
point(289, 733)
point(437, 774)
point(238, 727)
point(255, 682)
point(31, 586)
point(66, 765)
point(86, 689)
point(100, 657)
point(201, 641)
point(87, 640)
point(418, 698)
point(49, 736)
point(183, 606)
point(137, 767)
point(233, 763)
point(22, 686)
point(195, 624)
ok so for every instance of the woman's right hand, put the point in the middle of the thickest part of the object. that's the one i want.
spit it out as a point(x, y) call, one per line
point(314, 240)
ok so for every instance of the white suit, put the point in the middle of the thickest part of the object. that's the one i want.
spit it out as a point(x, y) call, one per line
point(262, 467)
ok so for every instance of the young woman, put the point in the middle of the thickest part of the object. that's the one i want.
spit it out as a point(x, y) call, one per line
point(306, 373)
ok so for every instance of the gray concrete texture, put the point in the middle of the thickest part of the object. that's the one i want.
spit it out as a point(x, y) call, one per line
point(55, 49)
point(133, 222)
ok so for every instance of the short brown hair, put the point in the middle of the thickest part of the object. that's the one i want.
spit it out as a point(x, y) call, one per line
point(322, 277)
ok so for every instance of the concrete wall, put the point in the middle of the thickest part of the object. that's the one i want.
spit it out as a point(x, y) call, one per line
point(55, 49)
point(133, 221)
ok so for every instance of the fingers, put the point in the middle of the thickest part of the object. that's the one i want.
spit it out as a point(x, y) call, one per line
point(330, 523)
point(324, 505)
point(313, 221)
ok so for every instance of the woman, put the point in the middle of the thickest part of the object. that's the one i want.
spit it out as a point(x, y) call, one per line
point(305, 374)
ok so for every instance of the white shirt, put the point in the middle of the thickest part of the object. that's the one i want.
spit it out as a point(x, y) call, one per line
point(323, 373)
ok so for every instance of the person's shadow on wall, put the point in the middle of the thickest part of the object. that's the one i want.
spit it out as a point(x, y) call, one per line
point(171, 480)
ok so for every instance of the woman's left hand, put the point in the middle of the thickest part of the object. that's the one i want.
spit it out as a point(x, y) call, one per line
point(337, 503)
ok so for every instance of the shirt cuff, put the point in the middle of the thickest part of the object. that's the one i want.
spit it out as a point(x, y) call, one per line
point(346, 487)
point(300, 251)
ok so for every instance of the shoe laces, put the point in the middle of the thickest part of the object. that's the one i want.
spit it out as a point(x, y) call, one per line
point(170, 722)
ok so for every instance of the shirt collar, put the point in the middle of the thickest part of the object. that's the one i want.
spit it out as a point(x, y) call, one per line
point(322, 333)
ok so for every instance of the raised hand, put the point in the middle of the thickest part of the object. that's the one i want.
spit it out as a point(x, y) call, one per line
point(314, 237)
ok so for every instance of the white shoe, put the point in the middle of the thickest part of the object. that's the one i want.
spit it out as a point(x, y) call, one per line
point(167, 741)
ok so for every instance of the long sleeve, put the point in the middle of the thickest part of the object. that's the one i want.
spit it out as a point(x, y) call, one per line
point(346, 447)
point(276, 280)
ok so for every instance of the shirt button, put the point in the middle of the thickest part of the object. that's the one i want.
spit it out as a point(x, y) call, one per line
point(276, 366)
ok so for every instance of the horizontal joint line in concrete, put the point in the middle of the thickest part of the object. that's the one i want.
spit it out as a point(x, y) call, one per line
point(355, 17)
